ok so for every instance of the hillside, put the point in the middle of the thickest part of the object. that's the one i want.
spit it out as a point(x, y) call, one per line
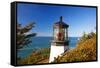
point(84, 51)
point(37, 57)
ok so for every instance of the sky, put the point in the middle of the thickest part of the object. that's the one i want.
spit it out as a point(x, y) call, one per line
point(79, 19)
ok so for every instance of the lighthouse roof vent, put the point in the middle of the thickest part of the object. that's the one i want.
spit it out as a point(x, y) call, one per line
point(61, 23)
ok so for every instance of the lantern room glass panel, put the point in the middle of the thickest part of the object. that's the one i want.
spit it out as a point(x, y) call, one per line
point(56, 30)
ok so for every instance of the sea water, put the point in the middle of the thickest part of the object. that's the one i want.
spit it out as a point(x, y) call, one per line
point(42, 42)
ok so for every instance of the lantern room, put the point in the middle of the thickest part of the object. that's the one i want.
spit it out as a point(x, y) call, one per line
point(60, 31)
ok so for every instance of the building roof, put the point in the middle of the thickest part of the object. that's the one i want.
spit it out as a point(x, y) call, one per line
point(61, 23)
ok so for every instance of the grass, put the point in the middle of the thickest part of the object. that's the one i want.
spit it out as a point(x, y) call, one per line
point(84, 51)
point(37, 57)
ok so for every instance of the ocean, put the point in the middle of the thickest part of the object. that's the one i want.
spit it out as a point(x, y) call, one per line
point(42, 42)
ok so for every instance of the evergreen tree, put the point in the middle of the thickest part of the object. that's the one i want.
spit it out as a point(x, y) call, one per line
point(24, 35)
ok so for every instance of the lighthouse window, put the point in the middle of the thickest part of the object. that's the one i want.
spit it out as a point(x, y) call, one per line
point(55, 33)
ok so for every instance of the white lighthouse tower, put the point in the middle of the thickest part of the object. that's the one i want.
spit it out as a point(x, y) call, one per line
point(60, 41)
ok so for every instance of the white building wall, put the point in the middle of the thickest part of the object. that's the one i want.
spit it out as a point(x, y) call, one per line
point(56, 50)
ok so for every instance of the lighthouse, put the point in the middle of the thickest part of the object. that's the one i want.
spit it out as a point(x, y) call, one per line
point(60, 40)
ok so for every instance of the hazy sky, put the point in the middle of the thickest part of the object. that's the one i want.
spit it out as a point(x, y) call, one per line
point(79, 19)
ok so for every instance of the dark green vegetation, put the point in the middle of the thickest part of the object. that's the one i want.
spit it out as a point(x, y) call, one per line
point(23, 35)
point(84, 51)
point(37, 57)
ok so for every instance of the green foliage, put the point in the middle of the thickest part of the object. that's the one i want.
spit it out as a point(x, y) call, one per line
point(37, 57)
point(23, 35)
point(84, 51)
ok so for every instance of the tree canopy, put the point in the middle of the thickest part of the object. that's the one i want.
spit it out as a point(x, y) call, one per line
point(24, 35)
